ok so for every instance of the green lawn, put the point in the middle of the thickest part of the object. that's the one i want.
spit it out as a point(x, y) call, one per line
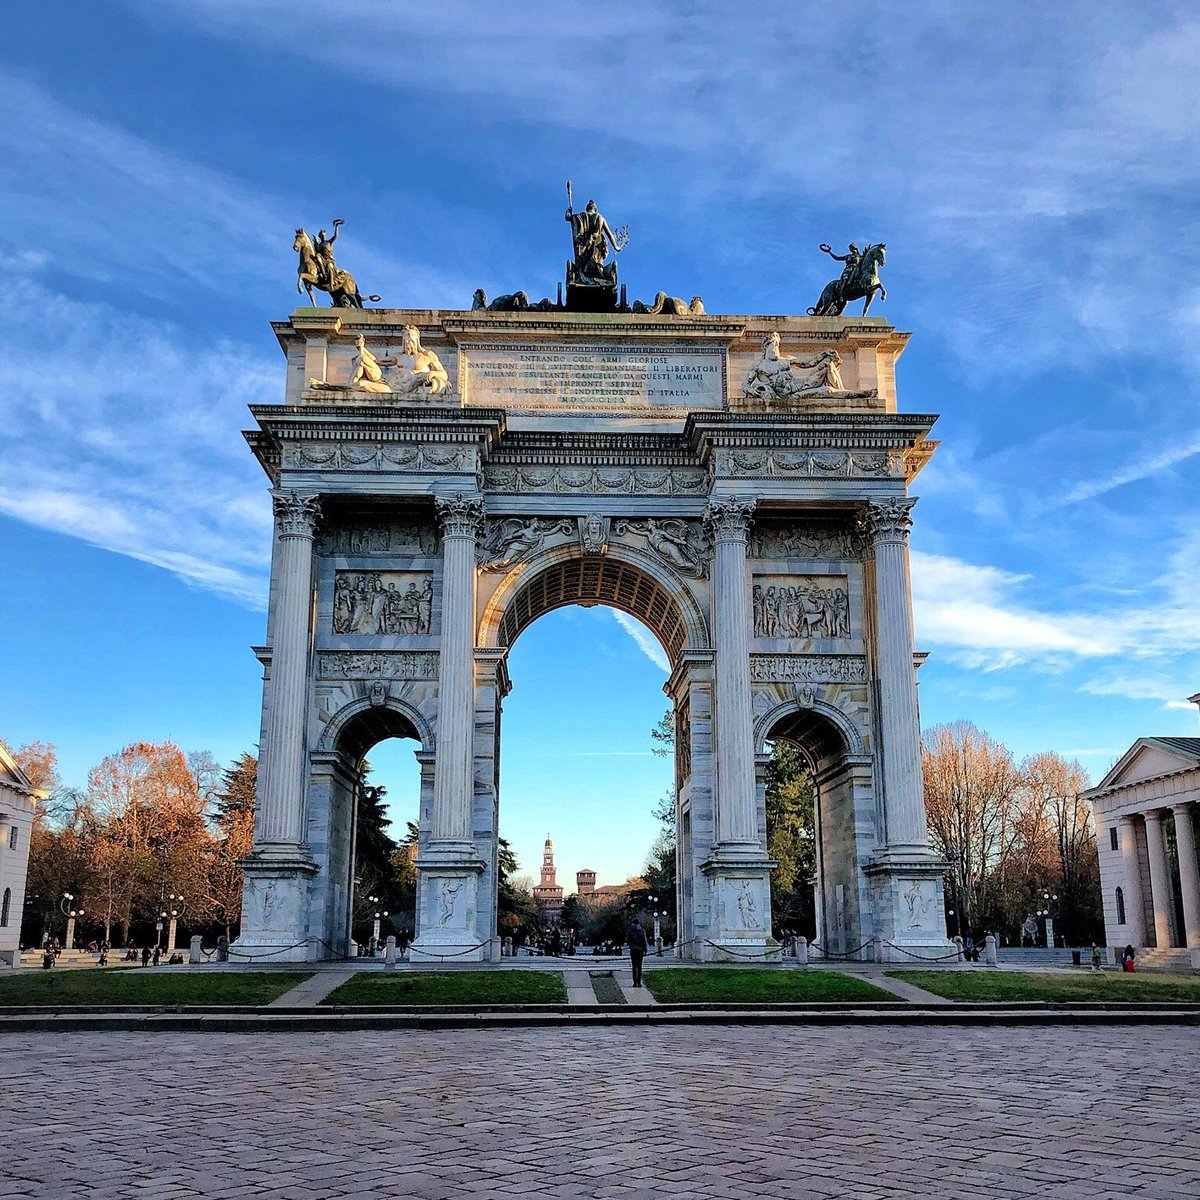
point(138, 985)
point(757, 985)
point(1056, 986)
point(452, 987)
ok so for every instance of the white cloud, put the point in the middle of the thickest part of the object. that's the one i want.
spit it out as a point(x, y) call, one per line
point(647, 643)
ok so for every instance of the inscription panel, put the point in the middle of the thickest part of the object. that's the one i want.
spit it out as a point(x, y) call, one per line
point(505, 375)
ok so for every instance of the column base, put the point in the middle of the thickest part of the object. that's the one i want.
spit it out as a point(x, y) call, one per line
point(275, 902)
point(907, 904)
point(740, 913)
point(449, 881)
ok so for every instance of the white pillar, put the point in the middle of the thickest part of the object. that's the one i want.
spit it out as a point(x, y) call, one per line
point(1160, 890)
point(454, 778)
point(899, 722)
point(736, 827)
point(280, 816)
point(1132, 882)
point(1189, 879)
point(171, 947)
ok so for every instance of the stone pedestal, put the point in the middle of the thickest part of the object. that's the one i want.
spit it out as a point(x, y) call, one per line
point(449, 868)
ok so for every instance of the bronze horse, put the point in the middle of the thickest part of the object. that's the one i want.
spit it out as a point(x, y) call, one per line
point(864, 283)
point(343, 290)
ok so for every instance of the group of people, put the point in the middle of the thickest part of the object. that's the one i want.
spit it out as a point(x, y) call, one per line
point(801, 612)
point(149, 955)
point(363, 604)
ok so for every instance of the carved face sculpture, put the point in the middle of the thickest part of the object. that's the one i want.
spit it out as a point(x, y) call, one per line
point(411, 342)
point(771, 345)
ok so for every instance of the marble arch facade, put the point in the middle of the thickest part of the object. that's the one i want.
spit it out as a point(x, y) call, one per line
point(612, 459)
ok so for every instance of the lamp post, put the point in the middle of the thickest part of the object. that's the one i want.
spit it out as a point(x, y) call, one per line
point(379, 915)
point(70, 912)
point(658, 945)
point(1047, 913)
point(177, 905)
point(158, 928)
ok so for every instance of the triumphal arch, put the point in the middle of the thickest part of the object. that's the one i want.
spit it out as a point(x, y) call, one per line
point(738, 483)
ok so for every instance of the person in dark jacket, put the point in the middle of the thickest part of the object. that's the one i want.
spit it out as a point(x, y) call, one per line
point(635, 937)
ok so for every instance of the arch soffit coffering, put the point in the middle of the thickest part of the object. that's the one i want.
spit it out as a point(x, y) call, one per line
point(663, 602)
point(392, 718)
point(847, 731)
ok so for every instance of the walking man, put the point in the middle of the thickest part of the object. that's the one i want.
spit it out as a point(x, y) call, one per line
point(635, 936)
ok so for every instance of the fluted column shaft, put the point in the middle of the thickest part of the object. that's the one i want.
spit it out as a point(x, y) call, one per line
point(454, 779)
point(1160, 889)
point(1134, 919)
point(281, 796)
point(1189, 878)
point(899, 721)
point(729, 522)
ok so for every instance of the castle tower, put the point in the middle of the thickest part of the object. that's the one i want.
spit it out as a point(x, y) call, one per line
point(585, 882)
point(548, 895)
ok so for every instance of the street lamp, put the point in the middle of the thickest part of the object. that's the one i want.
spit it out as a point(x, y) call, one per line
point(375, 933)
point(1047, 913)
point(70, 912)
point(176, 911)
point(658, 945)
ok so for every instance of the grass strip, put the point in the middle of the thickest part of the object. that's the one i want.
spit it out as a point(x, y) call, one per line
point(607, 989)
point(451, 987)
point(143, 985)
point(758, 985)
point(1056, 986)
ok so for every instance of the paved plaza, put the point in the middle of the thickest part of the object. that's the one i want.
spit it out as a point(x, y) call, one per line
point(610, 1112)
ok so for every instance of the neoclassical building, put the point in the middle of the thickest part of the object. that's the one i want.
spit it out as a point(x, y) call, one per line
point(740, 484)
point(1146, 813)
point(18, 806)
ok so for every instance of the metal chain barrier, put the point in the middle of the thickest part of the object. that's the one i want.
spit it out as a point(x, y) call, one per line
point(925, 957)
point(850, 956)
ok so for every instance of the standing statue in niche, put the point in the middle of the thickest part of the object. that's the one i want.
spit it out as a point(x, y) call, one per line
point(317, 269)
point(859, 280)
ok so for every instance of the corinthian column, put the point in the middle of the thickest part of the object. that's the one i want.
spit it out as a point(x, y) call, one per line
point(280, 822)
point(888, 522)
point(736, 828)
point(454, 781)
point(1189, 878)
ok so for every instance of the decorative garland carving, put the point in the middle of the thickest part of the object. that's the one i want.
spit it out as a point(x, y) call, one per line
point(648, 481)
point(378, 456)
point(296, 514)
point(812, 464)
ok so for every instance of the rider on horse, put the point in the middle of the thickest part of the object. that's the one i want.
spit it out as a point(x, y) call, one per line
point(852, 259)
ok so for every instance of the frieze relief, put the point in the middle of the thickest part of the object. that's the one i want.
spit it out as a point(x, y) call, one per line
point(382, 664)
point(648, 481)
point(805, 540)
point(808, 668)
point(382, 537)
point(377, 456)
point(808, 607)
point(812, 464)
point(382, 602)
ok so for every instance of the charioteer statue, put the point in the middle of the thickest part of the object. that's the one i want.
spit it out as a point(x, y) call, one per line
point(859, 280)
point(591, 278)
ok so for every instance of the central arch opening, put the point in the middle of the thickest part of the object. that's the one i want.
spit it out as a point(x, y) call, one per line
point(591, 644)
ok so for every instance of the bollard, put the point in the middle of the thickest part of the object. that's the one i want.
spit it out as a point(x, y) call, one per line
point(389, 954)
point(877, 948)
point(194, 949)
point(801, 945)
point(222, 948)
point(958, 946)
point(507, 950)
point(352, 949)
point(989, 951)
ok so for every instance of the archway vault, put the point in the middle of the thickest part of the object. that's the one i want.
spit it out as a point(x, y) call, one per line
point(624, 579)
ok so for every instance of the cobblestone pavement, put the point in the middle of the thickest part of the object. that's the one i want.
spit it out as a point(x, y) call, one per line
point(778, 1111)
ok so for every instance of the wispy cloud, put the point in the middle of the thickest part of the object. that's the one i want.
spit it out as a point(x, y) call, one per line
point(646, 642)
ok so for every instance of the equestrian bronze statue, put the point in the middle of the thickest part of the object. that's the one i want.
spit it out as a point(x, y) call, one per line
point(859, 279)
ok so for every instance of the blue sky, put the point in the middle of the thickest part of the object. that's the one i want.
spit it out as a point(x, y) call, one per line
point(1033, 169)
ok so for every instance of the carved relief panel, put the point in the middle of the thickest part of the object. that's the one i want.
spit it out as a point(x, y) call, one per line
point(397, 536)
point(382, 602)
point(801, 606)
point(806, 539)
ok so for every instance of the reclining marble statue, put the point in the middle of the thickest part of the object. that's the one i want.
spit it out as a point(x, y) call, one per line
point(414, 369)
point(776, 377)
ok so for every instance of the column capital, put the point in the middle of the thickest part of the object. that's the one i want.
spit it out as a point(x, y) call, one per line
point(1183, 808)
point(890, 519)
point(729, 520)
point(1154, 815)
point(460, 514)
point(296, 513)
